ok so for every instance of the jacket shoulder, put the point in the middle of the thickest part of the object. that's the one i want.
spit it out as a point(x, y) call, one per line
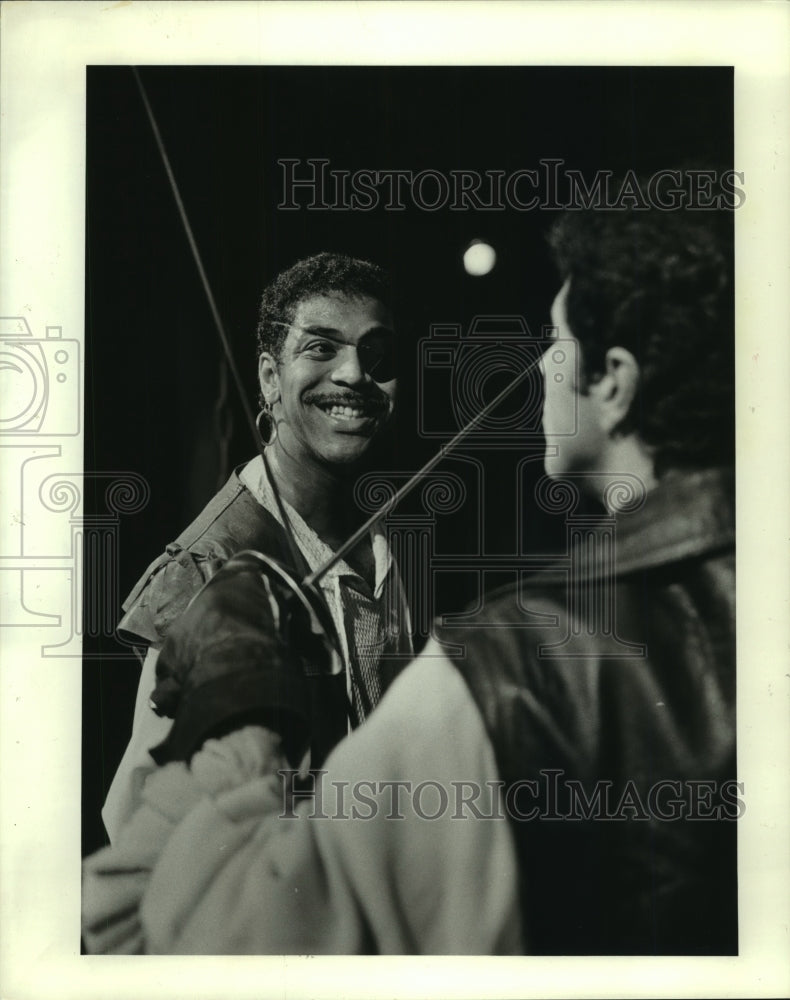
point(232, 521)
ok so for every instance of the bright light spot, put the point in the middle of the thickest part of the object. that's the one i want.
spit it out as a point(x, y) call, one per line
point(479, 258)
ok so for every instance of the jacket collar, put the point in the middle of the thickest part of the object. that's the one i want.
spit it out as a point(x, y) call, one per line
point(687, 514)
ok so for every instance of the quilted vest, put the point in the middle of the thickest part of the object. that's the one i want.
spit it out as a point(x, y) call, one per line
point(231, 522)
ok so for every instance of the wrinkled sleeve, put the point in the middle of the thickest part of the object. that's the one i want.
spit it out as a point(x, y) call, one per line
point(162, 594)
point(164, 591)
point(217, 861)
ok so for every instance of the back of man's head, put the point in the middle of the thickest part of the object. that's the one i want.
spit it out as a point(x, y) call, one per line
point(658, 283)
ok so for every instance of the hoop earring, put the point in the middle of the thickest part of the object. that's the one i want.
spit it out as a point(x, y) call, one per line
point(267, 411)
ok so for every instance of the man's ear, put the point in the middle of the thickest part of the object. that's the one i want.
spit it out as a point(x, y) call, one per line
point(268, 378)
point(616, 389)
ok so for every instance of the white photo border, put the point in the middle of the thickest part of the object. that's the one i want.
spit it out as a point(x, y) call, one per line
point(46, 48)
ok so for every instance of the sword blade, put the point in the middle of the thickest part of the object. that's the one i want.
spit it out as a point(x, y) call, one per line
point(312, 578)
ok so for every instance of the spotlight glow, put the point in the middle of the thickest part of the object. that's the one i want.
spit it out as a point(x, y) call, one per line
point(479, 258)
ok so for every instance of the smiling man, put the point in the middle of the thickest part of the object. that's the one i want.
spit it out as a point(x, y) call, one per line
point(324, 423)
point(327, 383)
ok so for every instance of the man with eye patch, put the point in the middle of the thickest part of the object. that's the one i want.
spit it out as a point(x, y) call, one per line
point(327, 381)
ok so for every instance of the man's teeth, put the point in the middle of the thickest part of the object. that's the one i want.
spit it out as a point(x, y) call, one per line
point(347, 412)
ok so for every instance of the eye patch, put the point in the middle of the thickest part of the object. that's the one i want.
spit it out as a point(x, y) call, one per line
point(376, 352)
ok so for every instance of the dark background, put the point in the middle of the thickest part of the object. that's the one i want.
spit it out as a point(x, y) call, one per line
point(157, 399)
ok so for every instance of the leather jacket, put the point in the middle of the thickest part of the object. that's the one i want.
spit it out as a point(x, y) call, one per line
point(623, 691)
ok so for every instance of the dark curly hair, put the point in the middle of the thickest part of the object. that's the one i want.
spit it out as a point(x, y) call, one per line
point(326, 272)
point(660, 285)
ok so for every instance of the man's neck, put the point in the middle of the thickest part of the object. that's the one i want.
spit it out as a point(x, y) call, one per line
point(626, 456)
point(323, 499)
point(321, 495)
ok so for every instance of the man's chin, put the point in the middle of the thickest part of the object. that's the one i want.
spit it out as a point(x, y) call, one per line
point(347, 449)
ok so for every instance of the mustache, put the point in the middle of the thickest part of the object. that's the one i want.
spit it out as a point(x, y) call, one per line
point(370, 400)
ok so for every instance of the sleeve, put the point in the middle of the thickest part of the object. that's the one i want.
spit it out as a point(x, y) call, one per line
point(159, 598)
point(164, 592)
point(403, 849)
point(148, 730)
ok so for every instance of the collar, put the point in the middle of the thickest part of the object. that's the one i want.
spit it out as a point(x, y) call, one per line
point(687, 514)
point(313, 548)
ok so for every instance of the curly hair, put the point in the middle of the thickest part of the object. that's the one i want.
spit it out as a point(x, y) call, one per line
point(660, 285)
point(326, 272)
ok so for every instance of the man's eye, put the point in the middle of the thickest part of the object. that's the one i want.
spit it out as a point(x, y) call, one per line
point(320, 349)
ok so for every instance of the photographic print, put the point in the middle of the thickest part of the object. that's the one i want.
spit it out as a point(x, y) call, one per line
point(375, 502)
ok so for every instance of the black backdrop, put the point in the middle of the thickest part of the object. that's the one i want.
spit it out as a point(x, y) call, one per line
point(156, 402)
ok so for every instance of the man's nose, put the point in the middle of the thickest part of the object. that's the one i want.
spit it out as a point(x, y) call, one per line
point(348, 370)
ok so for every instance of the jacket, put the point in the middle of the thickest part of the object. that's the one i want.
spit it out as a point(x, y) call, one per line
point(232, 521)
point(637, 703)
